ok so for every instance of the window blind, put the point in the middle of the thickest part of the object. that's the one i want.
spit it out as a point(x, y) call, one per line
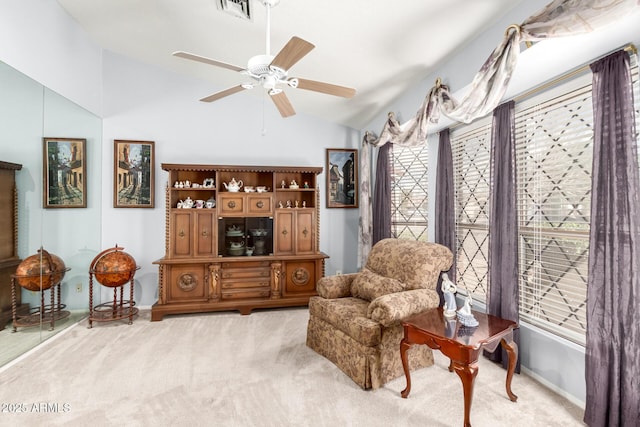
point(554, 148)
point(470, 147)
point(409, 180)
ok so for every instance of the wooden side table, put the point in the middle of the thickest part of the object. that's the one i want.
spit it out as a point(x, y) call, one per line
point(462, 345)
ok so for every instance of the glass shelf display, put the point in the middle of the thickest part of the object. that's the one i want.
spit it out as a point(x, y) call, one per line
point(245, 236)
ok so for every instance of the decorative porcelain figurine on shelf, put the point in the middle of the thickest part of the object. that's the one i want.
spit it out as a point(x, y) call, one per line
point(465, 316)
point(282, 184)
point(188, 203)
point(293, 184)
point(233, 186)
point(448, 290)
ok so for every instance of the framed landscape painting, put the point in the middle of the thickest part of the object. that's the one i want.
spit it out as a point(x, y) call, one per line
point(133, 174)
point(342, 178)
point(64, 174)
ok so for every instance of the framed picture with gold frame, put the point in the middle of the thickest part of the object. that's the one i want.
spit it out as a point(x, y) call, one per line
point(342, 178)
point(64, 173)
point(133, 174)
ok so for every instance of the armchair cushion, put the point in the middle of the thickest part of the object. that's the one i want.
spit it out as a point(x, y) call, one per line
point(369, 285)
point(348, 315)
point(331, 287)
point(415, 264)
point(392, 308)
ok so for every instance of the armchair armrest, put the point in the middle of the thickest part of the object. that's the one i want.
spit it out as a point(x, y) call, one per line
point(332, 287)
point(392, 308)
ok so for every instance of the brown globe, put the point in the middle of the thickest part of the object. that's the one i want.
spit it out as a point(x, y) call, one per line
point(113, 267)
point(40, 271)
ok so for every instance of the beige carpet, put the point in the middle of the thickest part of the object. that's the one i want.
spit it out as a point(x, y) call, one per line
point(224, 369)
point(14, 344)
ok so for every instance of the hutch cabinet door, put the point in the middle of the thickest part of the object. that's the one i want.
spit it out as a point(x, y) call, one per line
point(187, 282)
point(284, 232)
point(181, 233)
point(299, 277)
point(305, 231)
point(205, 237)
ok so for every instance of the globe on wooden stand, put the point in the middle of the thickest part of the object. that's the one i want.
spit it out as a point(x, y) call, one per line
point(38, 273)
point(113, 268)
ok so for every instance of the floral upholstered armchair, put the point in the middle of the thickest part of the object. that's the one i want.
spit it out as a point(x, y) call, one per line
point(355, 319)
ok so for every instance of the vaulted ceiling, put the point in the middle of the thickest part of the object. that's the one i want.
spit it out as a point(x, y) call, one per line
point(381, 48)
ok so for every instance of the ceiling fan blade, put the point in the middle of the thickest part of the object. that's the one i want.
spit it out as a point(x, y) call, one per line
point(223, 93)
point(282, 103)
point(291, 53)
point(345, 92)
point(193, 57)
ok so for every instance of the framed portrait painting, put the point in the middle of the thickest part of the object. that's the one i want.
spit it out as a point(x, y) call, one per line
point(64, 174)
point(133, 174)
point(342, 178)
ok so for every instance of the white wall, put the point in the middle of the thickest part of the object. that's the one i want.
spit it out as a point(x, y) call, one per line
point(142, 102)
point(38, 38)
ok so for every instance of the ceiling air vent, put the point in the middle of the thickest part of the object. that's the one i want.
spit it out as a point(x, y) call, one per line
point(238, 8)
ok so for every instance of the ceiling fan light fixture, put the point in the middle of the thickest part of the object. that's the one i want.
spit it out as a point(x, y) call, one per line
point(268, 82)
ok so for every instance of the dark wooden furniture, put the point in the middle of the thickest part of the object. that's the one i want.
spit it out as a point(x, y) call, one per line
point(9, 260)
point(462, 345)
point(206, 266)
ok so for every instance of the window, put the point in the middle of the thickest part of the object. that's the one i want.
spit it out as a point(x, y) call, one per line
point(470, 147)
point(554, 148)
point(409, 208)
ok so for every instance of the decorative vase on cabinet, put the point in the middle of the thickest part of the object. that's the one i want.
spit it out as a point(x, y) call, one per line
point(244, 249)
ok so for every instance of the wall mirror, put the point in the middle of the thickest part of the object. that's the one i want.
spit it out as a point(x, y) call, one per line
point(30, 113)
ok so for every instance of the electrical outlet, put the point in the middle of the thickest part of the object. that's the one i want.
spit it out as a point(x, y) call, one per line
point(79, 288)
point(338, 272)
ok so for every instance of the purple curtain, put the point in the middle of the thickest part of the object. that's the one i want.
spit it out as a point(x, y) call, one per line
point(382, 197)
point(503, 225)
point(445, 226)
point(613, 304)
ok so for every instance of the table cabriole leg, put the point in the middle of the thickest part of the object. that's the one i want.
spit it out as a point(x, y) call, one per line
point(467, 373)
point(512, 350)
point(404, 346)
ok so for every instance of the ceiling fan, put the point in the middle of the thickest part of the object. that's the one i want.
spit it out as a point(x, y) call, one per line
point(272, 72)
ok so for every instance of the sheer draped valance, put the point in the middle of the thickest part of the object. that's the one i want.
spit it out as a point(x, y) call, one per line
point(558, 19)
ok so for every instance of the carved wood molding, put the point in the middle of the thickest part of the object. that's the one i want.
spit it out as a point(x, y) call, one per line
point(214, 281)
point(276, 275)
point(300, 276)
point(187, 282)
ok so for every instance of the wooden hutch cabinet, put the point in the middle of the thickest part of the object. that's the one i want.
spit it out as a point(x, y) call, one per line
point(239, 250)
